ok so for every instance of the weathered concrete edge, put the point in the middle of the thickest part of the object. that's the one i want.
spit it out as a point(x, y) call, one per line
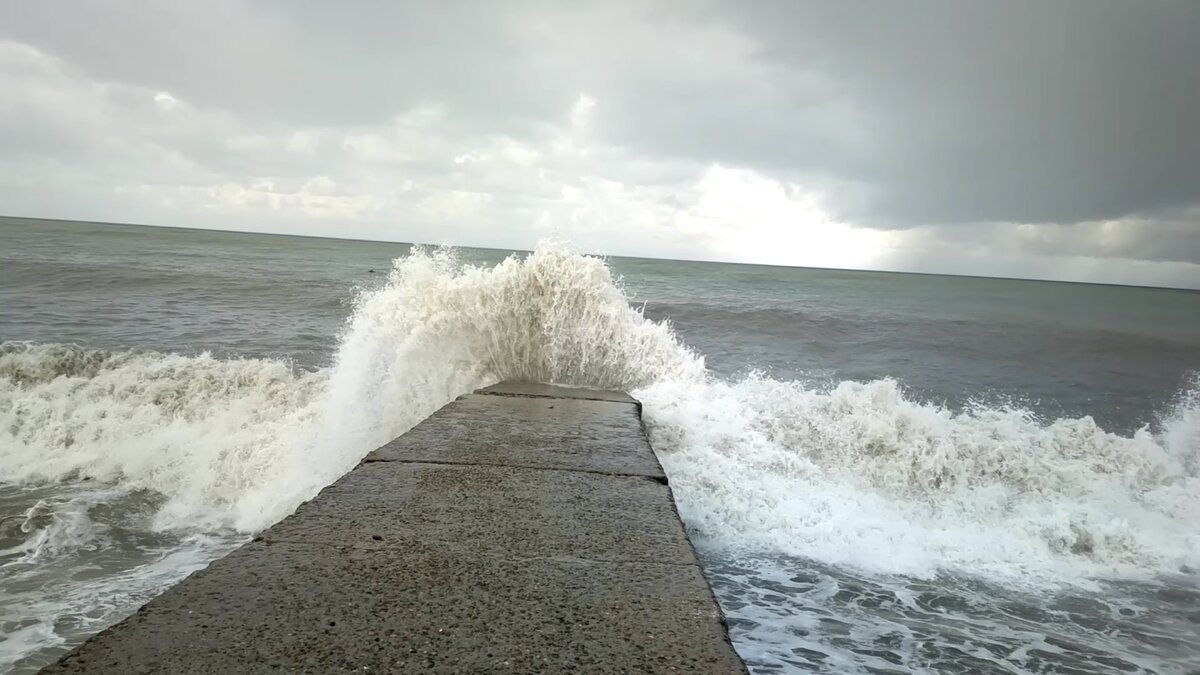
point(581, 394)
point(666, 482)
point(623, 450)
point(662, 480)
point(540, 390)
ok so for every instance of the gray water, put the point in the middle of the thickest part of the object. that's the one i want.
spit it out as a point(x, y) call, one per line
point(77, 554)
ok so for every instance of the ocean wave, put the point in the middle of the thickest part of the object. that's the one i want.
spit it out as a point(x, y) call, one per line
point(860, 474)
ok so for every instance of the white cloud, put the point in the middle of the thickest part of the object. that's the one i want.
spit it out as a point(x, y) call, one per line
point(747, 210)
point(127, 151)
point(165, 101)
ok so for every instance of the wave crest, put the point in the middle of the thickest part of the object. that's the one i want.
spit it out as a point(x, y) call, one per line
point(859, 474)
point(554, 316)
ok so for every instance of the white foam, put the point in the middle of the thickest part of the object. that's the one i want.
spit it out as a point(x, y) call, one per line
point(240, 443)
point(1181, 428)
point(859, 475)
point(55, 530)
point(199, 430)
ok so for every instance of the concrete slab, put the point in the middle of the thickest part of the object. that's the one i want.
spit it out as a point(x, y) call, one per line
point(516, 513)
point(572, 434)
point(308, 608)
point(557, 391)
point(536, 535)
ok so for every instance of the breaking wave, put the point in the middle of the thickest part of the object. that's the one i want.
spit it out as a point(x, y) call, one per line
point(856, 474)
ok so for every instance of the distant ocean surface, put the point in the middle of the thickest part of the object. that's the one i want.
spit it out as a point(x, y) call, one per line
point(883, 473)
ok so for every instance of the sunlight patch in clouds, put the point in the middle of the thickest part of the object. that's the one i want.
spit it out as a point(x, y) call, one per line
point(754, 218)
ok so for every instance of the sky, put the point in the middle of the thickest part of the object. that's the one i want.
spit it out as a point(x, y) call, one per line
point(1055, 140)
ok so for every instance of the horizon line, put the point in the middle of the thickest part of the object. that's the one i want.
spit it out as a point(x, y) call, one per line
point(604, 255)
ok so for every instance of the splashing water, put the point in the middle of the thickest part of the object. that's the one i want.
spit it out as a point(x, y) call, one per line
point(181, 453)
point(860, 476)
point(240, 443)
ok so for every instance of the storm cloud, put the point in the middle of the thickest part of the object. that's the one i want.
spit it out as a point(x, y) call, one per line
point(1020, 138)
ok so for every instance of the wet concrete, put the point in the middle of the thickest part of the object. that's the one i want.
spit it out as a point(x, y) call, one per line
point(523, 528)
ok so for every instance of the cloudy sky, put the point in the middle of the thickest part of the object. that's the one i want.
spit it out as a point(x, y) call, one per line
point(1021, 138)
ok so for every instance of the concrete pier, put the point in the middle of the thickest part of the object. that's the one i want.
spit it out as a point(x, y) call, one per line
point(522, 528)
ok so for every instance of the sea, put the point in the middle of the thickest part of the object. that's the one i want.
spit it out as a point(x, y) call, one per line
point(882, 473)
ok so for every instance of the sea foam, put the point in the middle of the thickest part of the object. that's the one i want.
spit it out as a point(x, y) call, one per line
point(856, 474)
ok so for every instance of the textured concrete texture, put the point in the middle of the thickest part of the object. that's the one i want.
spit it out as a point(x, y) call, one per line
point(531, 431)
point(512, 531)
point(553, 391)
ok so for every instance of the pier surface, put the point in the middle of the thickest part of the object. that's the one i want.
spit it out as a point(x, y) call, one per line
point(522, 528)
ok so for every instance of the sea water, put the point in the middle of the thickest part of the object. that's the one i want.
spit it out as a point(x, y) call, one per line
point(881, 472)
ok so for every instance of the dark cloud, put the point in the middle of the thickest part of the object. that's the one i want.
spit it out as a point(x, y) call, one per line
point(933, 112)
point(1024, 127)
point(960, 112)
point(1174, 237)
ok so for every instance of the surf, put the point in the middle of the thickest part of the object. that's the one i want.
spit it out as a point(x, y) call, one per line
point(856, 473)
